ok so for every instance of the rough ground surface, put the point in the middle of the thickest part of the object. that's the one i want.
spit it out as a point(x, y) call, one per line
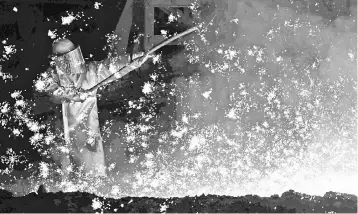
point(290, 201)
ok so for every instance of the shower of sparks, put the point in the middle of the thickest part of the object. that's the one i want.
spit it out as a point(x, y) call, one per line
point(172, 18)
point(67, 20)
point(97, 5)
point(147, 88)
point(96, 204)
point(156, 59)
point(9, 50)
point(5, 76)
point(52, 34)
point(272, 107)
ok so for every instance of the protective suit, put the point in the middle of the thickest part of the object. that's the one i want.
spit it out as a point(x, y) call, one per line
point(80, 117)
point(66, 81)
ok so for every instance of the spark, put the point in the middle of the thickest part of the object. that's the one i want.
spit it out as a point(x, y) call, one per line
point(236, 20)
point(20, 103)
point(171, 18)
point(232, 114)
point(40, 85)
point(97, 5)
point(156, 59)
point(16, 94)
point(195, 142)
point(185, 119)
point(351, 56)
point(67, 20)
point(44, 169)
point(16, 132)
point(9, 50)
point(163, 208)
point(163, 32)
point(5, 108)
point(52, 34)
point(207, 94)
point(154, 77)
point(147, 88)
point(97, 204)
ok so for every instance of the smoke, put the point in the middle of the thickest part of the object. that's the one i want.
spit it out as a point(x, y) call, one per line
point(278, 81)
point(266, 102)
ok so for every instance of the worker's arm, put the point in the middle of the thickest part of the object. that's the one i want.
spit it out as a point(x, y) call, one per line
point(49, 83)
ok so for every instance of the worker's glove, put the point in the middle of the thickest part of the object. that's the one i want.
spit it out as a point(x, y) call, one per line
point(70, 91)
point(83, 95)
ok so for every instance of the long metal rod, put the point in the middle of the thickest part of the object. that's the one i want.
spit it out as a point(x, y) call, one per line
point(171, 39)
point(121, 72)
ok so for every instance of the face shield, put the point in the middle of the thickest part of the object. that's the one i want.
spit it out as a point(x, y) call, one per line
point(71, 62)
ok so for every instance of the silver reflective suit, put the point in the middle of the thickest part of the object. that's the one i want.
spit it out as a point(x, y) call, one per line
point(81, 125)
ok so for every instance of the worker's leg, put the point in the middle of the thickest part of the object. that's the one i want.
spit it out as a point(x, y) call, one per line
point(92, 163)
point(88, 158)
point(62, 160)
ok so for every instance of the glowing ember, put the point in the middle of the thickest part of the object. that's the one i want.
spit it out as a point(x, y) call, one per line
point(147, 88)
point(52, 34)
point(97, 5)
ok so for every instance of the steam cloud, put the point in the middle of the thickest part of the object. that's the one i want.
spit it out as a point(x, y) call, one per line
point(280, 82)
